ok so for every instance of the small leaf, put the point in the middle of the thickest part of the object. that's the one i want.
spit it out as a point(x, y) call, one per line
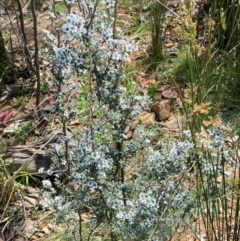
point(51, 101)
point(145, 84)
point(2, 115)
point(7, 116)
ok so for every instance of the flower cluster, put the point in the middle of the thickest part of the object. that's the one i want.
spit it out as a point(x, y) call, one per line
point(70, 2)
point(74, 27)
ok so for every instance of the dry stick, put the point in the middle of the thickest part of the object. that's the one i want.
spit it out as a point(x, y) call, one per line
point(37, 70)
point(90, 81)
point(69, 166)
point(115, 19)
point(8, 201)
point(24, 37)
point(79, 6)
point(11, 180)
point(80, 224)
point(93, 15)
point(67, 6)
point(119, 145)
point(200, 5)
point(13, 29)
point(54, 7)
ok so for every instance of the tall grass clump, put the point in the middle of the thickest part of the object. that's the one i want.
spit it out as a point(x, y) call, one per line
point(149, 27)
point(217, 187)
point(226, 16)
point(157, 19)
point(211, 78)
point(207, 75)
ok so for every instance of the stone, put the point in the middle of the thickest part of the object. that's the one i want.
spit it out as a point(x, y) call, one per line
point(134, 124)
point(126, 130)
point(164, 87)
point(177, 103)
point(176, 122)
point(146, 118)
point(157, 96)
point(137, 132)
point(169, 94)
point(162, 110)
point(129, 135)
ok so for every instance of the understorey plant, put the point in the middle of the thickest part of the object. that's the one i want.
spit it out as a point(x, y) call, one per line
point(217, 173)
point(123, 186)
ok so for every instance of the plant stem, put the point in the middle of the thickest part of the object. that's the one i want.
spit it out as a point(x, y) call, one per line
point(36, 57)
point(24, 36)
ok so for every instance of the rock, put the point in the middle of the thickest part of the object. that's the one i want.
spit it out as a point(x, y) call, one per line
point(157, 96)
point(129, 135)
point(127, 129)
point(162, 110)
point(177, 103)
point(146, 118)
point(164, 87)
point(137, 132)
point(176, 122)
point(134, 124)
point(128, 132)
point(169, 94)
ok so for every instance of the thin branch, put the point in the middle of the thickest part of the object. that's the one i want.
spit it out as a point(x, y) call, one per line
point(24, 37)
point(36, 57)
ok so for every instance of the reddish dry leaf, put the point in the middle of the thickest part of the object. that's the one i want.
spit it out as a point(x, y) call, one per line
point(145, 84)
point(29, 202)
point(2, 114)
point(51, 101)
point(7, 116)
point(29, 227)
point(50, 225)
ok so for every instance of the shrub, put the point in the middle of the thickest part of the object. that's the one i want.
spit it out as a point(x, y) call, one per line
point(133, 190)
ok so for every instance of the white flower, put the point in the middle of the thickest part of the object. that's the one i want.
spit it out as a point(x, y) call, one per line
point(47, 184)
point(70, 2)
point(41, 170)
point(51, 16)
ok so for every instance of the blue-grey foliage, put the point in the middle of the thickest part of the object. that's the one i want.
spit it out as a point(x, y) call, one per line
point(127, 184)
